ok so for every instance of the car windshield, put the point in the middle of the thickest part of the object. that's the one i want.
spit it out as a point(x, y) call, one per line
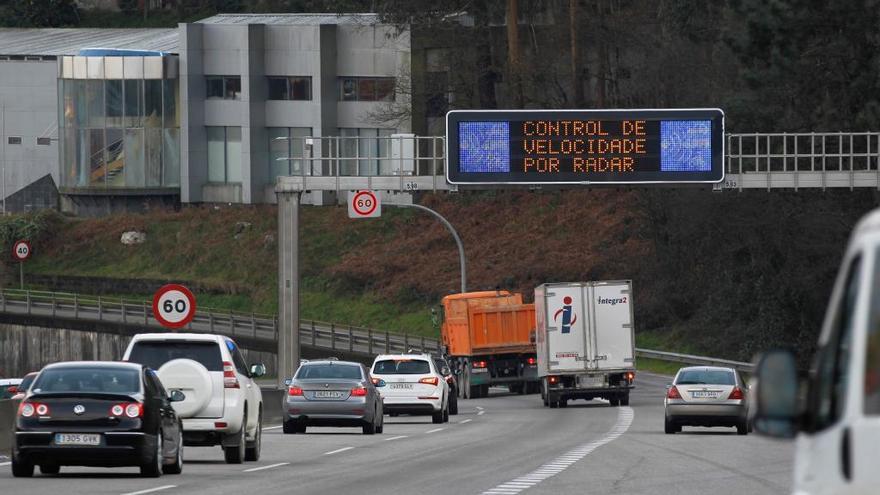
point(329, 371)
point(401, 367)
point(155, 354)
point(706, 377)
point(89, 379)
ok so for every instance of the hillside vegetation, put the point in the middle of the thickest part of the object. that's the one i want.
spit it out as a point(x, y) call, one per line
point(757, 266)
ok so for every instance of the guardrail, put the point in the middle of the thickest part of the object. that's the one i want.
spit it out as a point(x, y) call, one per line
point(258, 327)
point(694, 360)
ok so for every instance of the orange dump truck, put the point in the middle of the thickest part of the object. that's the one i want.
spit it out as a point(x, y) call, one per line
point(490, 340)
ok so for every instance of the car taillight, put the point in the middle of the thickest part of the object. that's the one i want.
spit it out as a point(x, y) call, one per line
point(117, 410)
point(134, 410)
point(229, 378)
point(532, 360)
point(295, 392)
point(673, 393)
point(553, 379)
point(26, 409)
point(359, 392)
point(736, 394)
point(430, 381)
point(630, 376)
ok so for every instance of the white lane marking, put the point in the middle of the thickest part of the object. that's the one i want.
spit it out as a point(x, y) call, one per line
point(5, 463)
point(480, 413)
point(272, 427)
point(465, 421)
point(395, 438)
point(561, 463)
point(343, 449)
point(151, 490)
point(479, 408)
point(435, 430)
point(270, 466)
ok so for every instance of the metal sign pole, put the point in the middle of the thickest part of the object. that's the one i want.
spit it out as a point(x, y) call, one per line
point(21, 273)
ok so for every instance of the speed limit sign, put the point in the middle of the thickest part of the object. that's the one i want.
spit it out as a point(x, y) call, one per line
point(364, 204)
point(174, 306)
point(21, 250)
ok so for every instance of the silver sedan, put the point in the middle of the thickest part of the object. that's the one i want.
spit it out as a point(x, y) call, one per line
point(707, 396)
point(332, 393)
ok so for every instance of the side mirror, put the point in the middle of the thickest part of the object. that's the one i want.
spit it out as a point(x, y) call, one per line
point(445, 371)
point(287, 382)
point(176, 396)
point(258, 370)
point(775, 395)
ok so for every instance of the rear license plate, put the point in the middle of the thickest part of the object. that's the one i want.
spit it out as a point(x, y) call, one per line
point(327, 394)
point(77, 439)
point(402, 386)
point(699, 394)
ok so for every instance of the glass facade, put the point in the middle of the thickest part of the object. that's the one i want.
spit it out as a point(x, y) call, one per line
point(286, 148)
point(372, 154)
point(224, 154)
point(121, 132)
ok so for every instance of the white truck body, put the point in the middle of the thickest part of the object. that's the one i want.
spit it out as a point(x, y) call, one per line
point(584, 337)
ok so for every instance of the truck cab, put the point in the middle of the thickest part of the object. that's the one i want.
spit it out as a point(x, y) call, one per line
point(833, 414)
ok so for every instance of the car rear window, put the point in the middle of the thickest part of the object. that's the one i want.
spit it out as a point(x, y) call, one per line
point(155, 354)
point(89, 379)
point(401, 367)
point(7, 391)
point(329, 371)
point(706, 377)
point(26, 382)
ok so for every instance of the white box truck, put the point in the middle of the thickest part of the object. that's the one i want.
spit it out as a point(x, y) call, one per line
point(585, 343)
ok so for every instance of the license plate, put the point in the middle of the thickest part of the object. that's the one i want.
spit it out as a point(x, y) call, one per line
point(326, 394)
point(77, 439)
point(698, 394)
point(402, 386)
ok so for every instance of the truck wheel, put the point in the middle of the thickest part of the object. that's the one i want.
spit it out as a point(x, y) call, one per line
point(624, 399)
point(484, 390)
point(553, 401)
point(563, 402)
point(614, 401)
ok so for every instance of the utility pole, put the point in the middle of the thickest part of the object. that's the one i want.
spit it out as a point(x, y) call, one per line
point(288, 195)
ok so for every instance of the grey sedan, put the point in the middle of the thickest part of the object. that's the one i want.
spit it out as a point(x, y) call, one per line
point(333, 393)
point(707, 396)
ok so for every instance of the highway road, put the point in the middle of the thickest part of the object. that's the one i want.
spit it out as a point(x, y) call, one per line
point(503, 444)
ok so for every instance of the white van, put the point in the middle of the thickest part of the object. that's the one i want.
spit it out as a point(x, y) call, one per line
point(835, 414)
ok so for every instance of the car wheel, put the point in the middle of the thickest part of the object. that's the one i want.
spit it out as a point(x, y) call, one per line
point(288, 427)
point(381, 427)
point(252, 453)
point(437, 417)
point(153, 468)
point(177, 466)
point(669, 427)
point(50, 468)
point(235, 454)
point(742, 428)
point(446, 413)
point(22, 468)
point(453, 406)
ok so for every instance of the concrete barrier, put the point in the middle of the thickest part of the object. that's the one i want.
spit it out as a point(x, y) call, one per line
point(272, 399)
point(7, 422)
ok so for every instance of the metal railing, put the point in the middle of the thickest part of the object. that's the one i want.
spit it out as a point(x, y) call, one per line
point(260, 328)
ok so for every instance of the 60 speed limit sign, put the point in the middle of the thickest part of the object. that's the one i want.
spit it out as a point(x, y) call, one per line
point(21, 250)
point(174, 306)
point(364, 204)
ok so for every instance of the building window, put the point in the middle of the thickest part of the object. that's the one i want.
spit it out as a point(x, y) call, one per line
point(223, 87)
point(44, 141)
point(437, 92)
point(224, 154)
point(14, 140)
point(366, 89)
point(286, 151)
point(290, 88)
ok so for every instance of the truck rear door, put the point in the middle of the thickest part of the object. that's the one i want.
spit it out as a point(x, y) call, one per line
point(612, 320)
point(567, 323)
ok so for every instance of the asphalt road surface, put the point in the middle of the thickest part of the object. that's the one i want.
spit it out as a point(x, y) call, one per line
point(504, 444)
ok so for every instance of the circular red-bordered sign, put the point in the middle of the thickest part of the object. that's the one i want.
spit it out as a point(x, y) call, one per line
point(174, 306)
point(21, 250)
point(364, 203)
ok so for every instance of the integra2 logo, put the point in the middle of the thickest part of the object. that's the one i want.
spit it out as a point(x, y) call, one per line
point(612, 301)
point(568, 316)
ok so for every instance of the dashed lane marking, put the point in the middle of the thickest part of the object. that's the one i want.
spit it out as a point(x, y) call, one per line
point(272, 427)
point(151, 490)
point(435, 430)
point(561, 463)
point(465, 421)
point(480, 413)
point(270, 466)
point(343, 449)
point(395, 438)
point(5, 463)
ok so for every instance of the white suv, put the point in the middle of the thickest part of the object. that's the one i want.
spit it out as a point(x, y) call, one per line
point(412, 385)
point(221, 394)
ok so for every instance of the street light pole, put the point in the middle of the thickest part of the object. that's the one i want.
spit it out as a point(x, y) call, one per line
point(461, 259)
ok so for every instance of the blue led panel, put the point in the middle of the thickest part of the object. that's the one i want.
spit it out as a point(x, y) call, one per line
point(685, 145)
point(484, 146)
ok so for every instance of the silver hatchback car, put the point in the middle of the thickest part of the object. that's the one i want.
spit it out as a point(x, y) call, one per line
point(707, 396)
point(333, 393)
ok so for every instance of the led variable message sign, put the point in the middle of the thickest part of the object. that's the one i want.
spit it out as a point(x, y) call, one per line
point(584, 146)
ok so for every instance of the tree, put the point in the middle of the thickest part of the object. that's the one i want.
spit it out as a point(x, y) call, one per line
point(41, 13)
